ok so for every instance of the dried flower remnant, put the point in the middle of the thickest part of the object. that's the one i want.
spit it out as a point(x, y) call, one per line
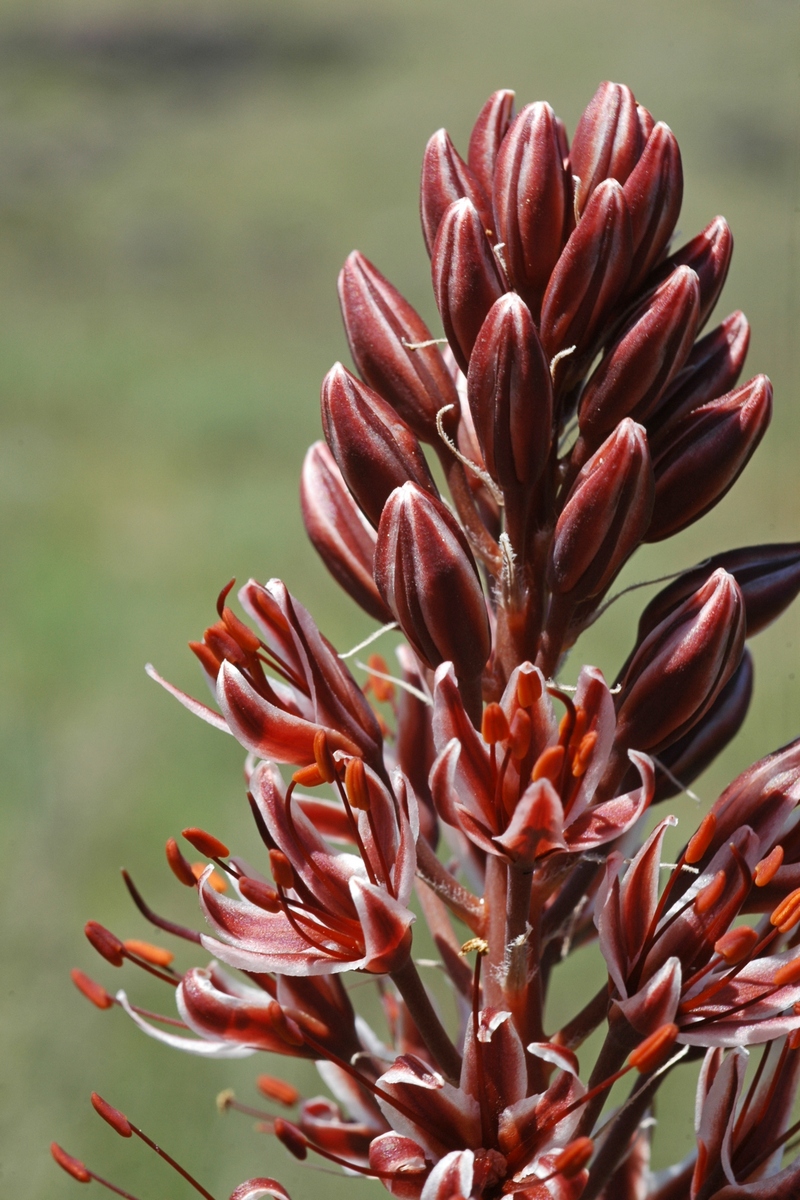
point(574, 416)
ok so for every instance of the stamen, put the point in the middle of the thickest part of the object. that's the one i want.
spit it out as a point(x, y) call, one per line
point(77, 1169)
point(93, 992)
point(158, 956)
point(708, 896)
point(572, 1159)
point(381, 689)
point(189, 935)
point(701, 840)
point(214, 880)
point(494, 725)
point(787, 913)
point(105, 943)
point(180, 866)
point(278, 1089)
point(766, 870)
point(299, 1145)
point(205, 843)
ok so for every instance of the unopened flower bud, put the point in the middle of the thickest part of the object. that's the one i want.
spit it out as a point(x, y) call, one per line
point(487, 136)
point(654, 191)
point(466, 277)
point(205, 843)
point(338, 531)
point(606, 515)
point(709, 254)
point(382, 328)
point(532, 204)
point(608, 140)
point(681, 666)
point(445, 178)
point(712, 369)
point(633, 373)
point(697, 458)
point(426, 573)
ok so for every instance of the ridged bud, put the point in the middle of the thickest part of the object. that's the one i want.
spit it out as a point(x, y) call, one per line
point(698, 457)
point(709, 254)
point(339, 533)
point(532, 201)
point(712, 369)
point(380, 326)
point(426, 574)
point(466, 277)
point(654, 192)
point(678, 671)
point(608, 140)
point(487, 135)
point(589, 278)
point(446, 178)
point(606, 514)
point(633, 373)
point(374, 450)
point(511, 397)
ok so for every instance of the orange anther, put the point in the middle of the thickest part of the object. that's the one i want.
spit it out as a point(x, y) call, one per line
point(519, 735)
point(494, 725)
point(382, 689)
point(179, 866)
point(529, 686)
point(356, 786)
point(651, 1053)
point(282, 870)
point(787, 913)
point(574, 1157)
point(708, 896)
point(549, 764)
point(735, 945)
point(207, 657)
point(240, 632)
point(288, 1033)
point(205, 843)
point(579, 728)
point(766, 870)
point(214, 880)
point(310, 776)
point(787, 974)
point(91, 990)
point(323, 757)
point(583, 754)
point(157, 955)
point(260, 894)
point(73, 1166)
point(277, 1089)
point(117, 1120)
point(701, 840)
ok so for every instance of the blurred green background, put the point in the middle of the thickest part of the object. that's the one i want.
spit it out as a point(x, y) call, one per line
point(179, 184)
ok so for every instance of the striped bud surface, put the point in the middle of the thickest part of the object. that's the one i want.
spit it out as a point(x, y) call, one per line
point(466, 277)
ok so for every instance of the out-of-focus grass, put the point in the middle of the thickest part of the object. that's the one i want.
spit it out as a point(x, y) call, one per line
point(179, 184)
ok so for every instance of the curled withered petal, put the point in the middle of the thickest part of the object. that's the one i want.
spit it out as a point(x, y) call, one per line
point(425, 572)
point(712, 369)
point(203, 1047)
point(532, 201)
point(654, 192)
point(698, 457)
point(466, 277)
point(388, 339)
point(487, 136)
point(445, 178)
point(337, 530)
point(217, 1014)
point(608, 140)
point(374, 449)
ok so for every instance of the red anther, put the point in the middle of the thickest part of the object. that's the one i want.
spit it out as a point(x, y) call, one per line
point(293, 1139)
point(529, 687)
point(282, 870)
point(308, 1024)
point(549, 764)
point(519, 735)
point(708, 896)
point(287, 1031)
point(205, 843)
point(309, 776)
point(278, 1090)
point(494, 725)
point(735, 945)
point(240, 632)
point(652, 1052)
point(324, 758)
point(214, 880)
point(91, 990)
point(766, 870)
point(793, 1040)
point(574, 1157)
point(260, 894)
point(701, 840)
point(355, 782)
point(382, 689)
point(117, 1120)
point(788, 974)
point(179, 866)
point(787, 913)
point(105, 943)
point(583, 754)
point(208, 659)
point(73, 1166)
point(157, 955)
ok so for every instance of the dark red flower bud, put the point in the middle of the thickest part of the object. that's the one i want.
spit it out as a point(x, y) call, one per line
point(426, 574)
point(487, 135)
point(511, 397)
point(445, 178)
point(466, 277)
point(532, 201)
point(654, 192)
point(709, 254)
point(608, 140)
point(380, 327)
point(633, 373)
point(681, 667)
point(606, 514)
point(589, 278)
point(688, 757)
point(712, 368)
point(698, 457)
point(374, 450)
point(339, 533)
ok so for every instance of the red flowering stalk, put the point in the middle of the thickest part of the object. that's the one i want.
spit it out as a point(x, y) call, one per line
point(574, 415)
